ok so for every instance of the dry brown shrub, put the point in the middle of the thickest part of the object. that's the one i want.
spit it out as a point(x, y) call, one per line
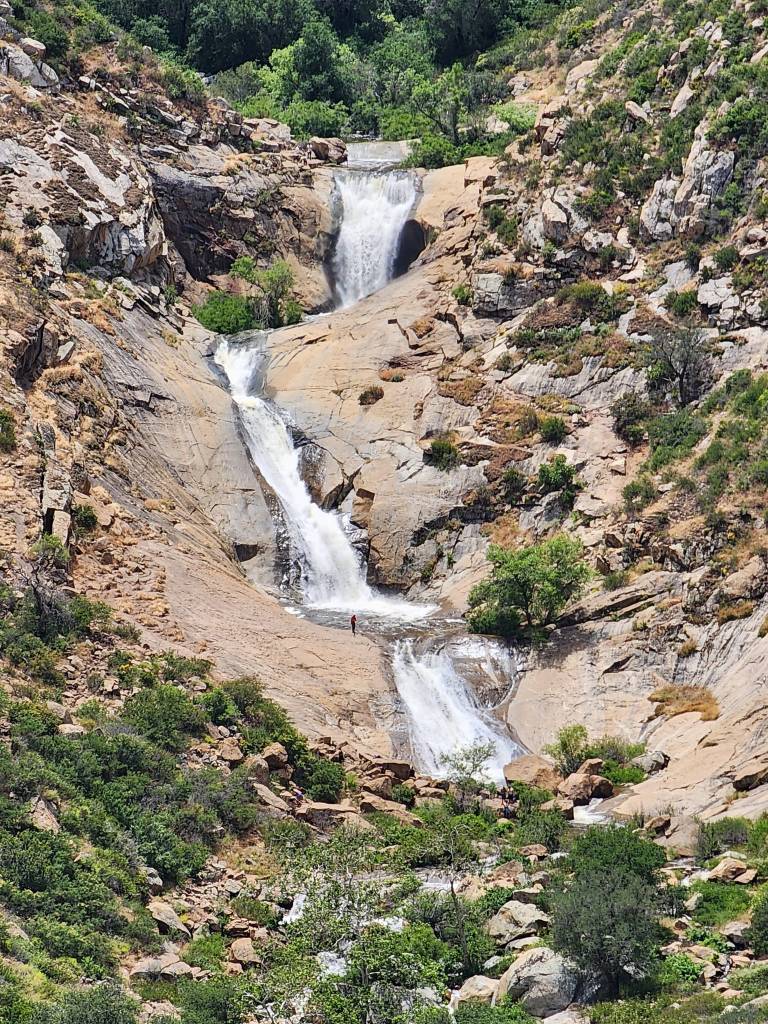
point(678, 700)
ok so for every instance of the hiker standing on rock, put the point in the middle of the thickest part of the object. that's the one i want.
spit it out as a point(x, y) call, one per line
point(353, 624)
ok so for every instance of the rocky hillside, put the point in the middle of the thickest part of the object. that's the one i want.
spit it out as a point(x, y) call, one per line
point(579, 349)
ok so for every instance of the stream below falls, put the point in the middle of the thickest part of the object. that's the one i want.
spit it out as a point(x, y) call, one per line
point(437, 670)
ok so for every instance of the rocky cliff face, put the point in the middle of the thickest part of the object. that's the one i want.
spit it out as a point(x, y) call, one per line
point(538, 296)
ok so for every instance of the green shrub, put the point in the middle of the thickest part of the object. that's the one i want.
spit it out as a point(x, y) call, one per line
point(616, 847)
point(678, 970)
point(721, 902)
point(615, 579)
point(504, 1012)
point(50, 551)
point(552, 429)
point(206, 951)
point(692, 256)
point(463, 294)
point(638, 494)
point(225, 314)
point(718, 836)
point(220, 708)
point(164, 715)
point(84, 519)
point(443, 454)
point(629, 412)
point(7, 431)
point(556, 475)
point(181, 82)
point(506, 227)
point(673, 436)
point(102, 1004)
point(746, 124)
point(514, 483)
point(50, 31)
point(726, 257)
point(590, 297)
point(757, 936)
point(569, 750)
point(434, 151)
point(682, 304)
point(541, 827)
point(752, 980)
point(622, 774)
point(324, 781)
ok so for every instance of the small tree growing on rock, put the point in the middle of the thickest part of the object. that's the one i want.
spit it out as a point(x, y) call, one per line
point(680, 361)
point(466, 769)
point(529, 587)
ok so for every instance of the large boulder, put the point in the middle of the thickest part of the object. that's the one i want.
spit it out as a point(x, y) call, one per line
point(516, 920)
point(329, 816)
point(687, 207)
point(580, 787)
point(533, 771)
point(167, 917)
point(541, 980)
point(750, 774)
point(370, 803)
point(476, 990)
point(333, 151)
point(15, 63)
point(652, 761)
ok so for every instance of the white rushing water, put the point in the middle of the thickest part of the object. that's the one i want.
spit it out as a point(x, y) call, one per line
point(333, 574)
point(444, 713)
point(375, 206)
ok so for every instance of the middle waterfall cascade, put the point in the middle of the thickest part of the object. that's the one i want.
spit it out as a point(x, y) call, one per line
point(333, 575)
point(375, 207)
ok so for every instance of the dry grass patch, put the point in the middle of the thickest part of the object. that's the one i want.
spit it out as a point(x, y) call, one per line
point(463, 391)
point(687, 648)
point(763, 631)
point(737, 610)
point(678, 700)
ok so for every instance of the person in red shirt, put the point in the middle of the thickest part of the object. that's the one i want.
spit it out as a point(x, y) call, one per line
point(353, 624)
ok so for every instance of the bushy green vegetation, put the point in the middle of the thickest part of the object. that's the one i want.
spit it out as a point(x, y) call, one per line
point(7, 431)
point(529, 587)
point(573, 747)
point(617, 936)
point(443, 454)
point(270, 305)
point(225, 314)
point(393, 68)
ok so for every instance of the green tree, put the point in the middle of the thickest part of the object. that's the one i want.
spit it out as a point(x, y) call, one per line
point(457, 29)
point(225, 33)
point(569, 751)
point(530, 586)
point(467, 769)
point(443, 101)
point(606, 922)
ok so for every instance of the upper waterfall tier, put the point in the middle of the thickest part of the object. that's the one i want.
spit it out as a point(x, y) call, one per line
point(375, 206)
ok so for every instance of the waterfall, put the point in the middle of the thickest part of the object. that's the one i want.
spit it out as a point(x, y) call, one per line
point(375, 206)
point(333, 574)
point(443, 711)
point(434, 684)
